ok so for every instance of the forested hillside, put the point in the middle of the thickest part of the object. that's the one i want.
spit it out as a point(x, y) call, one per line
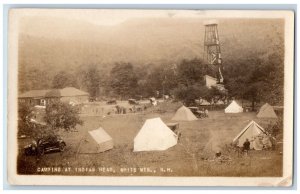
point(151, 54)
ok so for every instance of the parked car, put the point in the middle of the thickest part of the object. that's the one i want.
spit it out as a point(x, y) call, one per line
point(197, 112)
point(133, 102)
point(45, 144)
point(92, 99)
point(113, 101)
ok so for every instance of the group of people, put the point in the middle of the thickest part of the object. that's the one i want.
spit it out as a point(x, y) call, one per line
point(203, 113)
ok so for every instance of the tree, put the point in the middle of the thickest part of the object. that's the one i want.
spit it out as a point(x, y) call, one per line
point(188, 94)
point(24, 115)
point(156, 81)
point(64, 79)
point(123, 80)
point(216, 94)
point(246, 80)
point(92, 80)
point(142, 86)
point(257, 79)
point(62, 115)
point(190, 72)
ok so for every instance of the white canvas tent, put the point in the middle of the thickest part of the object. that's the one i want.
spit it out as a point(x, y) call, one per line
point(233, 107)
point(267, 111)
point(184, 114)
point(154, 135)
point(96, 141)
point(255, 134)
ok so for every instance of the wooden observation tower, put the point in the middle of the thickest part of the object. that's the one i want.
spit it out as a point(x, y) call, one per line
point(212, 50)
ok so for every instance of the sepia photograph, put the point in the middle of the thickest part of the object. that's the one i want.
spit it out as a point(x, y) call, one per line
point(150, 97)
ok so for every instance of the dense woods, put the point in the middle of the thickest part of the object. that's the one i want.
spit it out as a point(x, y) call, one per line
point(255, 79)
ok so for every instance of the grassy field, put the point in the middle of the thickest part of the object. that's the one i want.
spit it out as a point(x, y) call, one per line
point(192, 156)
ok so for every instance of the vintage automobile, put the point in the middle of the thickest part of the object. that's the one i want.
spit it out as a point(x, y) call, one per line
point(112, 101)
point(92, 99)
point(197, 112)
point(133, 101)
point(45, 144)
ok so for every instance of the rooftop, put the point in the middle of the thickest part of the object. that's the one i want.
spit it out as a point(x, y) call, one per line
point(33, 94)
point(68, 91)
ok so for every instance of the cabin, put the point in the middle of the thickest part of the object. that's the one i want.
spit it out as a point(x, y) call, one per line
point(70, 95)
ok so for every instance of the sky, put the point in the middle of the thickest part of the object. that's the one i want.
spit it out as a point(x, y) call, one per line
point(117, 16)
point(111, 17)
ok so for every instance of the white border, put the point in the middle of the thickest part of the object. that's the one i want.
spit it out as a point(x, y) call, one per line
point(286, 180)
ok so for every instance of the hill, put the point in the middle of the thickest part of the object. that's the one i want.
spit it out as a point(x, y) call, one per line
point(63, 44)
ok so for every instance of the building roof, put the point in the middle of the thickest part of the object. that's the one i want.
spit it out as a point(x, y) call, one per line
point(53, 93)
point(33, 94)
point(71, 91)
point(68, 91)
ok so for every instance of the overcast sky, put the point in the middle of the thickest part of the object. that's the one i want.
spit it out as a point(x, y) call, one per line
point(113, 17)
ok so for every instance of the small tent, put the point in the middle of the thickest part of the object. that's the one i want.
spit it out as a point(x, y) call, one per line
point(255, 134)
point(233, 107)
point(266, 111)
point(154, 135)
point(184, 114)
point(96, 141)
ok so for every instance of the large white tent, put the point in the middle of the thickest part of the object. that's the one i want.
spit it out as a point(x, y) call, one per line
point(255, 134)
point(233, 107)
point(96, 141)
point(154, 135)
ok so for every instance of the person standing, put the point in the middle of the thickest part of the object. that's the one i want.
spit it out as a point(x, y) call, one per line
point(246, 146)
point(206, 113)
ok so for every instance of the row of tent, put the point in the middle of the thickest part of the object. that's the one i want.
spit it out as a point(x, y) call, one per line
point(155, 135)
point(266, 111)
point(185, 114)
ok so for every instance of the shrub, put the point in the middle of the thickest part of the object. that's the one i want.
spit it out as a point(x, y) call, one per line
point(24, 115)
point(62, 115)
point(275, 128)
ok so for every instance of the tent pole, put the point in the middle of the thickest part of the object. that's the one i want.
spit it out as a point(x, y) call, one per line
point(78, 148)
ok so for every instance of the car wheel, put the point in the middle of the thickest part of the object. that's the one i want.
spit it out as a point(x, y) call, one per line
point(62, 147)
point(27, 152)
point(40, 151)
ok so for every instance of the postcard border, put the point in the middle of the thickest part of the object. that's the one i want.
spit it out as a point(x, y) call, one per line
point(6, 7)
